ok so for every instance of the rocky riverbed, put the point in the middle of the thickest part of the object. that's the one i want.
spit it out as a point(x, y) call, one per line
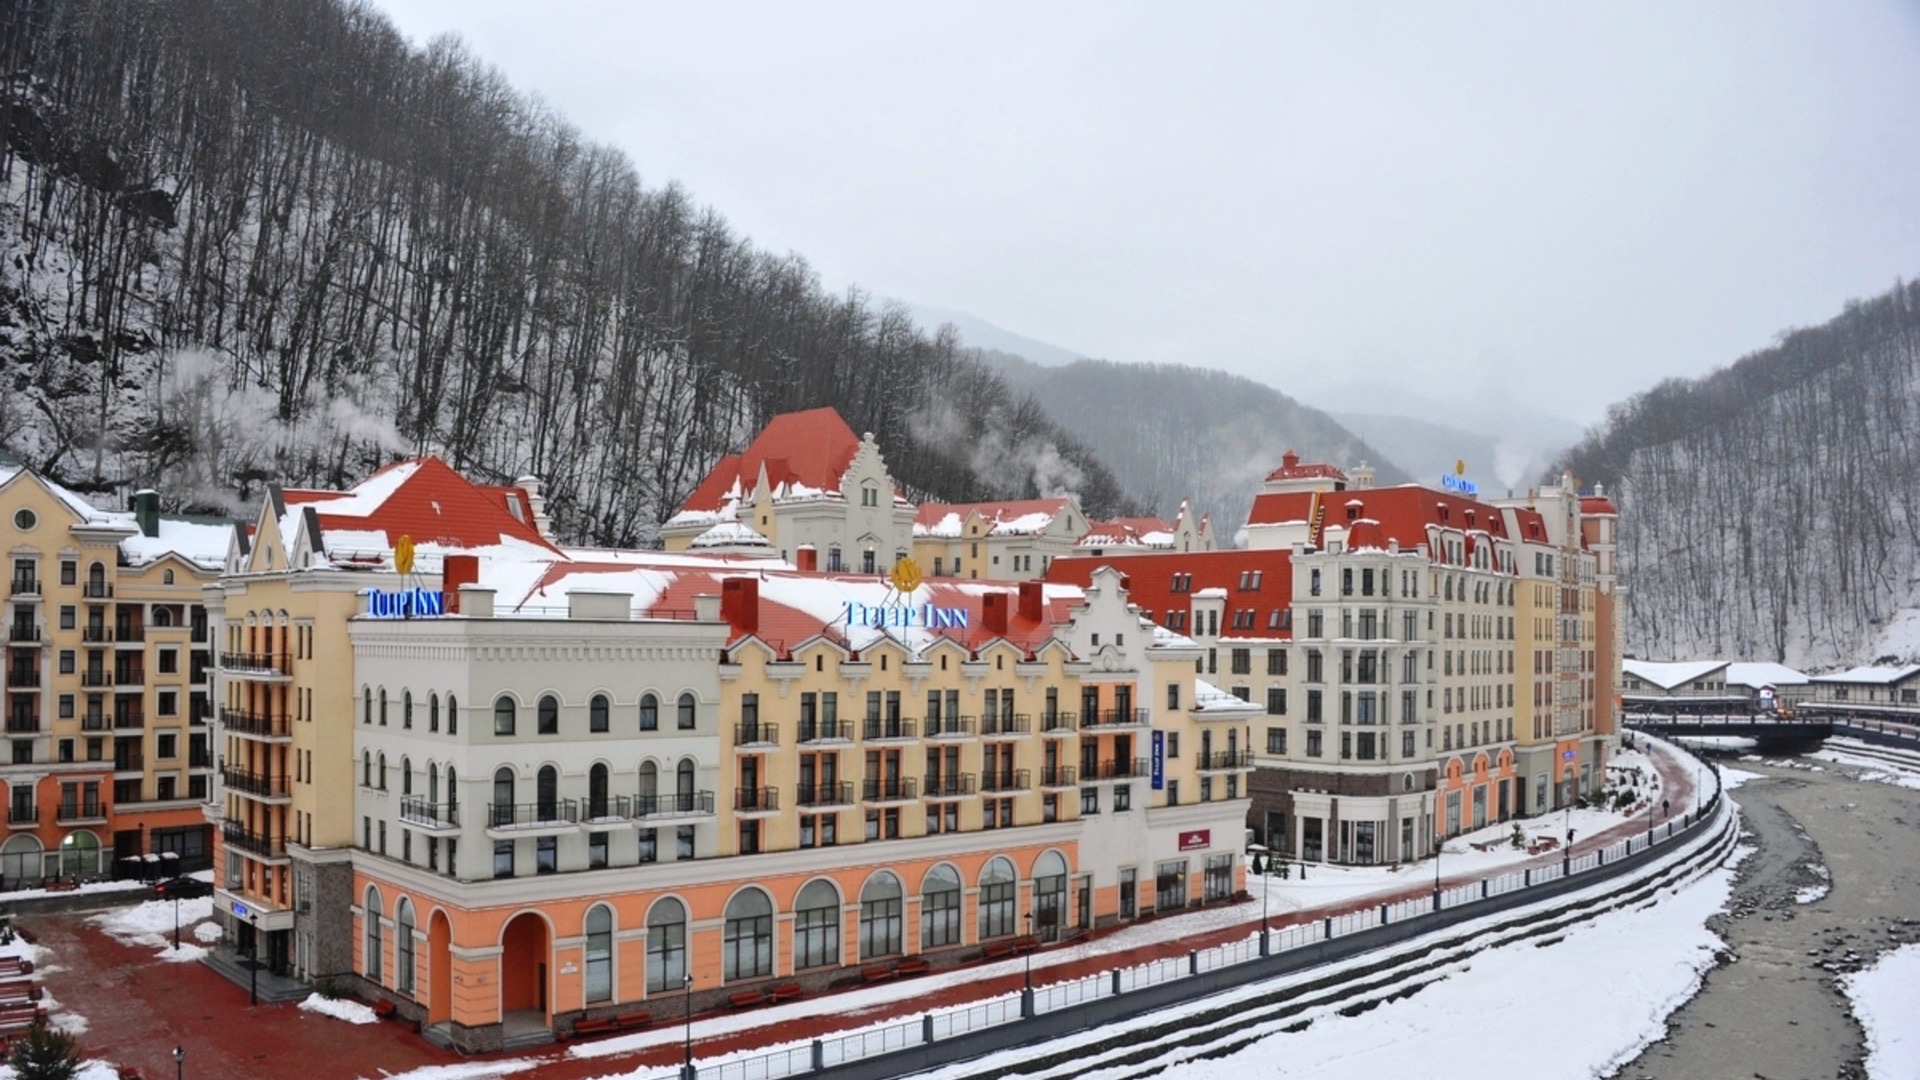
point(1833, 880)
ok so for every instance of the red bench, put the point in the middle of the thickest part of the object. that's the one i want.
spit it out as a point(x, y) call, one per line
point(384, 1009)
point(601, 1025)
point(62, 885)
point(995, 950)
point(912, 966)
point(876, 974)
point(743, 999)
point(784, 992)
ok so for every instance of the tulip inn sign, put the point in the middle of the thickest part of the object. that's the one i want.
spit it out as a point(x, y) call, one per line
point(405, 603)
point(905, 578)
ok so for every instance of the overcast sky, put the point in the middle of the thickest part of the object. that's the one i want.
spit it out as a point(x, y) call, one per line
point(1565, 203)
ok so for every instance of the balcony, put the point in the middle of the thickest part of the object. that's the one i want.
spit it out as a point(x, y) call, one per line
point(830, 731)
point(129, 720)
point(94, 634)
point(199, 759)
point(95, 721)
point(879, 729)
point(1224, 761)
point(756, 800)
point(429, 817)
point(22, 817)
point(133, 763)
point(1060, 777)
point(1059, 723)
point(129, 676)
point(98, 677)
point(1002, 725)
point(1004, 781)
point(950, 727)
point(550, 817)
point(606, 810)
point(951, 786)
point(97, 590)
point(255, 725)
point(130, 635)
point(1122, 769)
point(78, 813)
point(756, 734)
point(254, 784)
point(25, 585)
point(898, 789)
point(23, 633)
point(252, 665)
point(831, 794)
point(678, 804)
point(23, 678)
point(266, 847)
point(1111, 718)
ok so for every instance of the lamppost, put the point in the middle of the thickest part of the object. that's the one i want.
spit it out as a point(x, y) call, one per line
point(1567, 865)
point(686, 1064)
point(176, 915)
point(1264, 883)
point(1026, 992)
point(1439, 845)
point(179, 1062)
point(253, 961)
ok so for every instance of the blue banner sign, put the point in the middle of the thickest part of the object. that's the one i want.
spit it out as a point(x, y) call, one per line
point(1159, 767)
point(926, 616)
point(406, 603)
point(1460, 484)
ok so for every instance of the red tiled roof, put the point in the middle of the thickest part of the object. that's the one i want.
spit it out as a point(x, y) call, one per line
point(1598, 504)
point(1150, 583)
point(813, 448)
point(1402, 513)
point(433, 504)
point(931, 514)
point(1291, 469)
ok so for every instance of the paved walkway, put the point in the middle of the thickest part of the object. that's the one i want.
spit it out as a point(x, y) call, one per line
point(139, 1010)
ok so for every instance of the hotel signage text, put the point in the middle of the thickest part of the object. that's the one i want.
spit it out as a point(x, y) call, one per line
point(406, 603)
point(926, 616)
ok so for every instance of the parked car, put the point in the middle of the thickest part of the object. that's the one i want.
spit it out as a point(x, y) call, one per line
point(182, 888)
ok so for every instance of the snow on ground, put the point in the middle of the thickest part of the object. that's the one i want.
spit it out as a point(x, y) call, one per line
point(151, 923)
point(1819, 889)
point(1731, 778)
point(1886, 1001)
point(353, 1012)
point(1874, 769)
point(208, 932)
point(88, 887)
point(89, 1070)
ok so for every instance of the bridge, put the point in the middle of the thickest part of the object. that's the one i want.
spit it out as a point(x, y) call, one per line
point(1760, 727)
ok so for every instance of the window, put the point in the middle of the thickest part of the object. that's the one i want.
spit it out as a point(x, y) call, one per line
point(686, 712)
point(547, 855)
point(1170, 885)
point(649, 713)
point(1173, 695)
point(1218, 882)
point(667, 946)
point(1277, 740)
point(372, 919)
point(1240, 661)
point(816, 926)
point(597, 713)
point(1122, 797)
point(503, 715)
point(940, 908)
point(433, 712)
point(881, 905)
point(549, 715)
point(1313, 744)
point(403, 946)
point(747, 936)
point(1276, 701)
point(1089, 800)
point(997, 888)
point(167, 745)
point(599, 954)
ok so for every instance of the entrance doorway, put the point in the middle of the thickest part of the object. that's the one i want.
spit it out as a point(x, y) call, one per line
point(523, 965)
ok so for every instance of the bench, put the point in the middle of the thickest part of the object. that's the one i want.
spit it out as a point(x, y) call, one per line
point(995, 950)
point(383, 1009)
point(745, 999)
point(912, 966)
point(595, 1025)
point(876, 974)
point(62, 885)
point(14, 965)
point(1022, 946)
point(784, 992)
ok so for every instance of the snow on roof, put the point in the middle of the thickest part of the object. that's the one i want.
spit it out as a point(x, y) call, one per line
point(1668, 674)
point(803, 453)
point(1879, 676)
point(1756, 675)
point(423, 498)
point(86, 510)
point(1214, 593)
point(1208, 698)
point(199, 541)
point(1015, 517)
point(730, 533)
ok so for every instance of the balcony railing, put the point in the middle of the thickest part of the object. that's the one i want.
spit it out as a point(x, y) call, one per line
point(938, 726)
point(418, 810)
point(253, 663)
point(1118, 770)
point(272, 787)
point(754, 800)
point(550, 812)
point(952, 785)
point(81, 811)
point(1225, 759)
point(23, 815)
point(237, 836)
point(903, 727)
point(1016, 780)
point(96, 590)
point(835, 794)
point(25, 585)
point(129, 676)
point(674, 804)
point(95, 721)
point(129, 634)
point(129, 763)
point(199, 759)
point(1059, 721)
point(826, 731)
point(606, 807)
point(241, 722)
point(1060, 776)
point(23, 724)
point(23, 678)
point(1002, 724)
point(96, 635)
point(758, 733)
point(129, 720)
point(899, 789)
point(96, 677)
point(1120, 718)
point(23, 632)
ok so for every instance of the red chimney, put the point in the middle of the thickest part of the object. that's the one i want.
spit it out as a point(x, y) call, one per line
point(1032, 600)
point(740, 603)
point(806, 558)
point(455, 571)
point(1289, 459)
point(995, 613)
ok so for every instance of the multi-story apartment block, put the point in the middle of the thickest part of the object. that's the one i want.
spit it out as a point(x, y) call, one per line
point(1148, 535)
point(107, 686)
point(998, 541)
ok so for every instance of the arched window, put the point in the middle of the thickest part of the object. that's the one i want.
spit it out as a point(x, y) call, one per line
point(366, 768)
point(686, 712)
point(433, 784)
point(816, 926)
point(597, 791)
point(403, 947)
point(166, 577)
point(433, 711)
point(366, 705)
point(502, 809)
point(649, 713)
point(667, 946)
point(683, 787)
point(597, 713)
point(383, 706)
point(372, 919)
point(599, 953)
point(503, 715)
point(549, 715)
point(940, 907)
point(881, 903)
point(649, 788)
point(406, 776)
point(747, 936)
point(382, 774)
point(547, 793)
point(453, 715)
point(453, 797)
point(1049, 894)
point(406, 709)
point(997, 887)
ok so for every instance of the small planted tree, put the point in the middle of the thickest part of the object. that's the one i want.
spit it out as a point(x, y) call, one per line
point(44, 1053)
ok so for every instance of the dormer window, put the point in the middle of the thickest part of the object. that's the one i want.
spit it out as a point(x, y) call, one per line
point(513, 506)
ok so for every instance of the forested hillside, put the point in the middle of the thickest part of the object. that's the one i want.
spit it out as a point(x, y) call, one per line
point(1171, 432)
point(1772, 509)
point(252, 239)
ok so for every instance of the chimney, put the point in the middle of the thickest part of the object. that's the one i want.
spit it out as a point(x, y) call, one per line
point(536, 504)
point(806, 558)
point(1289, 460)
point(146, 511)
point(457, 571)
point(706, 607)
point(995, 612)
point(476, 602)
point(1032, 600)
point(740, 603)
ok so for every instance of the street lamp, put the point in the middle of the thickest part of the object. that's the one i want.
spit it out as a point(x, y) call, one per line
point(1264, 882)
point(686, 1064)
point(176, 914)
point(1439, 845)
point(1026, 993)
point(179, 1062)
point(253, 961)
